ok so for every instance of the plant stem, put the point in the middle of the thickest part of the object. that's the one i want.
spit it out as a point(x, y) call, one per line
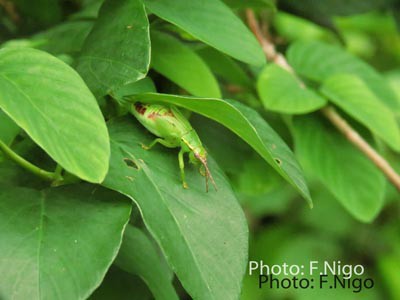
point(49, 176)
point(329, 112)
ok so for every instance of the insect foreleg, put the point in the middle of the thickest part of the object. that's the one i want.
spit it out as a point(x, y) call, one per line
point(160, 141)
point(182, 167)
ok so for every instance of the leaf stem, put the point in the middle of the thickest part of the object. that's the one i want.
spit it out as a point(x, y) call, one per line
point(49, 176)
point(329, 112)
point(58, 171)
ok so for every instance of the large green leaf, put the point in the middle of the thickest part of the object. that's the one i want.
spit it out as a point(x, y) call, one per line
point(49, 100)
point(58, 243)
point(356, 183)
point(353, 95)
point(318, 61)
point(183, 66)
point(185, 222)
point(282, 92)
point(248, 125)
point(212, 22)
point(139, 256)
point(117, 50)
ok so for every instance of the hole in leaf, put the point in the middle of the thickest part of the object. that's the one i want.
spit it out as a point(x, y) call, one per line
point(278, 161)
point(130, 163)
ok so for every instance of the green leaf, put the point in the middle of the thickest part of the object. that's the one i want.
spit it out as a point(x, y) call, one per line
point(180, 219)
point(58, 243)
point(248, 125)
point(117, 50)
point(213, 23)
point(225, 67)
point(49, 100)
point(183, 66)
point(8, 129)
point(355, 182)
point(65, 38)
point(352, 95)
point(281, 91)
point(318, 61)
point(139, 256)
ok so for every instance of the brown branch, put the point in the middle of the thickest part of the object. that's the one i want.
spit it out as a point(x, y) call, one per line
point(329, 112)
point(267, 46)
point(10, 10)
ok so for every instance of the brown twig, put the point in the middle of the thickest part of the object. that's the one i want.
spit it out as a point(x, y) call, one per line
point(329, 112)
point(10, 10)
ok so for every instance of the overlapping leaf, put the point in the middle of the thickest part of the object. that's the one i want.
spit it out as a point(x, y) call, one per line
point(225, 67)
point(355, 182)
point(49, 100)
point(353, 96)
point(139, 256)
point(318, 61)
point(282, 92)
point(179, 219)
point(8, 129)
point(212, 22)
point(58, 243)
point(117, 50)
point(182, 65)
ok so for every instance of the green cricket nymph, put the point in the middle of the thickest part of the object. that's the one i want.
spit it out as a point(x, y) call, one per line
point(173, 130)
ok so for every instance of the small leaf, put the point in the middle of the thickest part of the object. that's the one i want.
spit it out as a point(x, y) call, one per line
point(183, 66)
point(318, 61)
point(52, 240)
point(282, 92)
point(117, 50)
point(8, 129)
point(139, 256)
point(225, 67)
point(49, 100)
point(180, 219)
point(64, 38)
point(352, 95)
point(355, 182)
point(248, 125)
point(212, 22)
point(121, 285)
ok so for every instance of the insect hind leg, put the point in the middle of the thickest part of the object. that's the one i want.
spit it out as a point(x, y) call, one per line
point(165, 143)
